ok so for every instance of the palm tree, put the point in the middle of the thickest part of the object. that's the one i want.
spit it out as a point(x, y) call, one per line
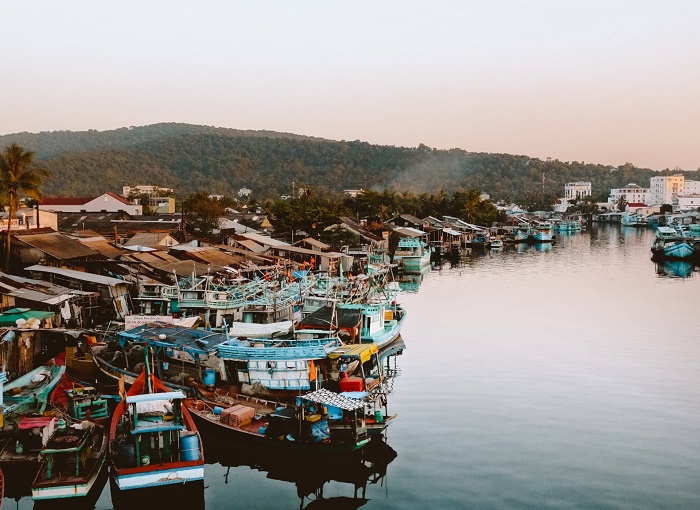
point(17, 175)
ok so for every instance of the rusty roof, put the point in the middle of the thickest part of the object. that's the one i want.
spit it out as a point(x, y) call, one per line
point(57, 245)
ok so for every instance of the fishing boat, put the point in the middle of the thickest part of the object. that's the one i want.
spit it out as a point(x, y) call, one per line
point(19, 457)
point(633, 220)
point(279, 367)
point(669, 244)
point(180, 353)
point(306, 426)
point(522, 234)
point(153, 441)
point(72, 461)
point(2, 487)
point(481, 239)
point(30, 392)
point(542, 233)
point(412, 255)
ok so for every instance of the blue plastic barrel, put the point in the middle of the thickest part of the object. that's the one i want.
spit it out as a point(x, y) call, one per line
point(127, 455)
point(217, 410)
point(209, 377)
point(189, 447)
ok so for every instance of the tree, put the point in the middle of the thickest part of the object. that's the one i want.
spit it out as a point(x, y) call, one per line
point(203, 213)
point(621, 204)
point(18, 176)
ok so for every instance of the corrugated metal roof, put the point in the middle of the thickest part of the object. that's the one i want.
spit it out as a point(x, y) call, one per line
point(265, 240)
point(217, 257)
point(76, 275)
point(103, 247)
point(57, 245)
point(409, 232)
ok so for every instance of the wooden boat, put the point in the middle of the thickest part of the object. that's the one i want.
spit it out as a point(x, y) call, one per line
point(101, 355)
point(30, 392)
point(79, 401)
point(153, 440)
point(305, 426)
point(72, 462)
point(19, 457)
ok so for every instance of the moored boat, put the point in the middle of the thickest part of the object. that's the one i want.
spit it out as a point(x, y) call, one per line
point(153, 440)
point(73, 460)
point(669, 244)
point(320, 421)
point(412, 255)
point(30, 392)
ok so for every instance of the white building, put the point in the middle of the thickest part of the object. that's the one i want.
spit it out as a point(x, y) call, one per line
point(244, 192)
point(686, 202)
point(576, 190)
point(108, 202)
point(691, 188)
point(632, 193)
point(128, 191)
point(664, 188)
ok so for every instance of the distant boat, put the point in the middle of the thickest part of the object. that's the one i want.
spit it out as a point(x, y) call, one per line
point(633, 220)
point(669, 244)
point(412, 254)
point(542, 233)
point(153, 440)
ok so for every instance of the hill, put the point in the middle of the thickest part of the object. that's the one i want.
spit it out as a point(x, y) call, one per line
point(190, 158)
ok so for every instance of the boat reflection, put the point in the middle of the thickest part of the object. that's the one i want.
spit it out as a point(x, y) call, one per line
point(177, 495)
point(311, 472)
point(410, 282)
point(674, 268)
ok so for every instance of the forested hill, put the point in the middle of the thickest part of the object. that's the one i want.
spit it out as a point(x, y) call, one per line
point(221, 161)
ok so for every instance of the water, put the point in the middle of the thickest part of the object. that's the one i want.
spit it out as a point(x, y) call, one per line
point(563, 376)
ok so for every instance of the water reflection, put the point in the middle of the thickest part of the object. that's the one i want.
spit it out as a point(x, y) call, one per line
point(675, 268)
point(410, 282)
point(189, 496)
point(309, 472)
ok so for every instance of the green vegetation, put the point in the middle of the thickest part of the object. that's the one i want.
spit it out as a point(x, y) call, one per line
point(221, 161)
point(18, 177)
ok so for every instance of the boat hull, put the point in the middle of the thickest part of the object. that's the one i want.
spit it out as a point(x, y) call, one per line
point(213, 431)
point(169, 474)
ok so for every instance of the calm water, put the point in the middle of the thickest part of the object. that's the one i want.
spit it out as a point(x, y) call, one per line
point(561, 377)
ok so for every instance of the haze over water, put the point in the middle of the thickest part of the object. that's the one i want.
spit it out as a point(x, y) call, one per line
point(563, 376)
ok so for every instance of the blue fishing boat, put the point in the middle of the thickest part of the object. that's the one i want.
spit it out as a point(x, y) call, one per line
point(633, 220)
point(670, 244)
point(542, 233)
point(412, 255)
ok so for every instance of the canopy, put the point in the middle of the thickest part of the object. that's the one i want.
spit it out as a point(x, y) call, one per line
point(363, 352)
point(10, 317)
point(329, 398)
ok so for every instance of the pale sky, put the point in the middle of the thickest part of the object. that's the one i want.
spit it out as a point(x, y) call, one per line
point(597, 81)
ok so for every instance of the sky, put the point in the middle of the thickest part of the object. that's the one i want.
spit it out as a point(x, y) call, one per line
point(604, 82)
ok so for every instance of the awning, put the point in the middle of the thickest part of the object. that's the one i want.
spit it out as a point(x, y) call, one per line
point(329, 398)
point(363, 352)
